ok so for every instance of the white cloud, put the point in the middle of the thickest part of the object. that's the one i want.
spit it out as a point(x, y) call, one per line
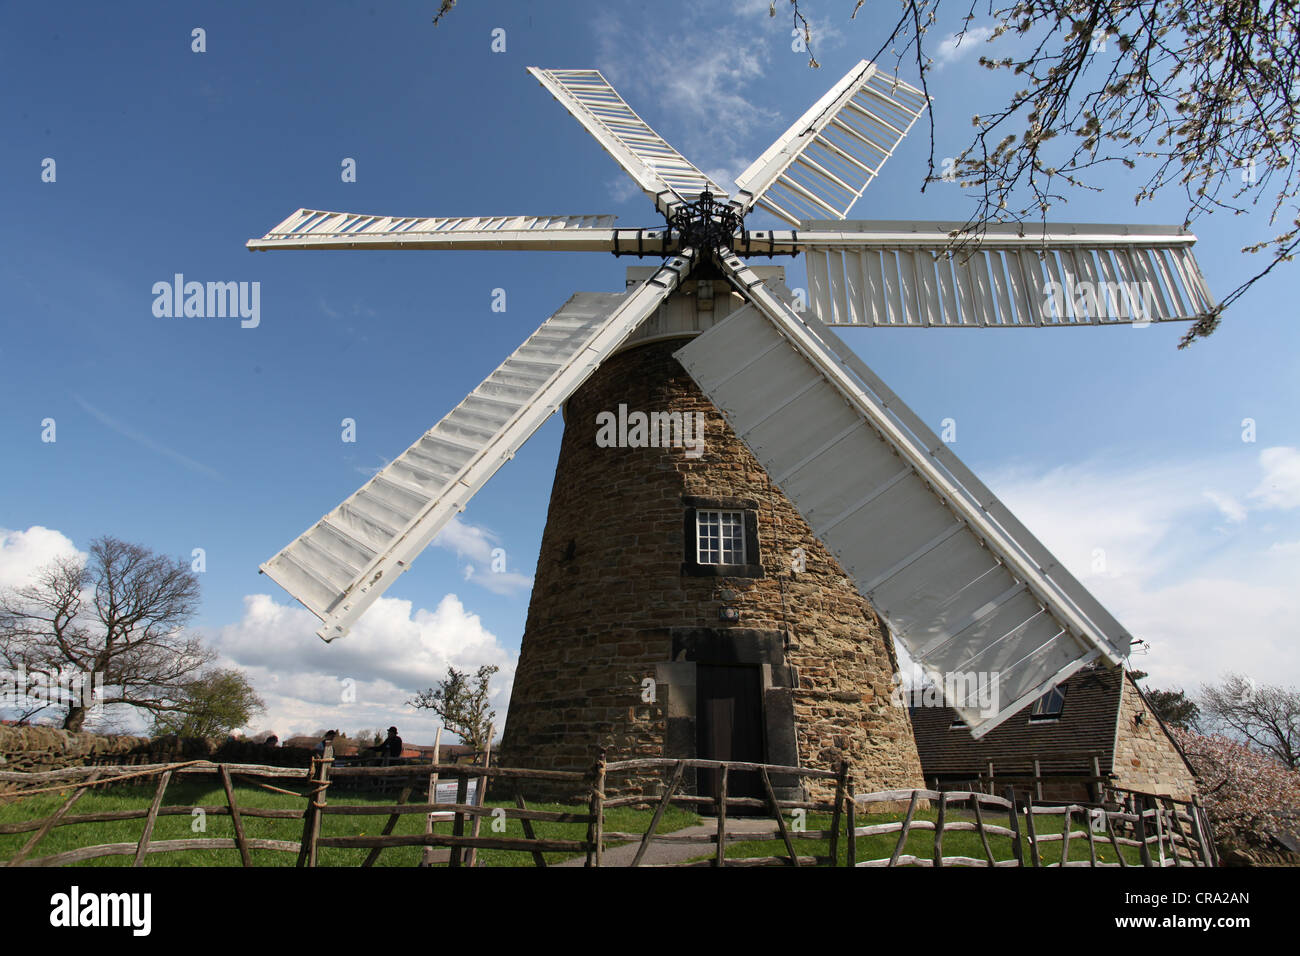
point(487, 561)
point(127, 431)
point(1280, 486)
point(1206, 598)
point(23, 553)
point(680, 73)
point(361, 680)
point(956, 46)
point(1231, 509)
point(365, 678)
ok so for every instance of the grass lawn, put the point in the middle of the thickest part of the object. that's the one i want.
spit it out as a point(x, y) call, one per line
point(198, 791)
point(921, 843)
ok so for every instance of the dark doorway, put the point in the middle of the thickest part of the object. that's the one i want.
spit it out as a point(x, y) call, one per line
point(729, 726)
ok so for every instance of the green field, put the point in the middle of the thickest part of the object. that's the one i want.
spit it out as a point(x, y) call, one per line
point(192, 791)
point(195, 791)
point(920, 843)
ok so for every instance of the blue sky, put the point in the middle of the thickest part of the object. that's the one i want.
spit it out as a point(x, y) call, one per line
point(196, 433)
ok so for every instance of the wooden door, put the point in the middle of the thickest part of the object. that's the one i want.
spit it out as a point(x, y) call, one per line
point(729, 726)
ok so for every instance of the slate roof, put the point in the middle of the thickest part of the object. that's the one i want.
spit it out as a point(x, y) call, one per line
point(1063, 745)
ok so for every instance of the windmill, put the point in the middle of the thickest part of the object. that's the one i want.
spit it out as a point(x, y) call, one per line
point(894, 517)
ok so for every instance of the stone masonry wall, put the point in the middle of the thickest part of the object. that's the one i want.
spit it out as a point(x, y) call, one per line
point(1145, 758)
point(610, 594)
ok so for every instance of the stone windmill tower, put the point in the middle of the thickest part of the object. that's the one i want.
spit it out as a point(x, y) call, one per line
point(741, 506)
point(682, 606)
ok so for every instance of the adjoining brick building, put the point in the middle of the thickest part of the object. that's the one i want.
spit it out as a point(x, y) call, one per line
point(681, 606)
point(1097, 723)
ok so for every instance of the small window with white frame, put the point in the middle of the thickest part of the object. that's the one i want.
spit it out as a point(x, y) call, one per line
point(720, 537)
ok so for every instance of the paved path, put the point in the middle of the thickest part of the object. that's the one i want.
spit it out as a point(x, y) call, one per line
point(679, 852)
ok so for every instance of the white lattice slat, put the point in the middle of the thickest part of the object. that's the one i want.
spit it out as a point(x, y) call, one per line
point(662, 173)
point(314, 229)
point(341, 565)
point(964, 586)
point(1075, 274)
point(823, 162)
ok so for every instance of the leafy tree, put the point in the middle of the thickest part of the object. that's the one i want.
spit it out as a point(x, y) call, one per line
point(117, 617)
point(1175, 708)
point(212, 705)
point(462, 703)
point(1265, 716)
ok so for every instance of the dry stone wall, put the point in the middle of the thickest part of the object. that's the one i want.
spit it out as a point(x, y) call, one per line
point(33, 749)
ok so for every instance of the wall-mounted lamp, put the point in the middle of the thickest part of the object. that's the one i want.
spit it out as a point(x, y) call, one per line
point(1139, 717)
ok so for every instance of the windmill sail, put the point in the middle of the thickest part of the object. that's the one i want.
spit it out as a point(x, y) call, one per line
point(664, 174)
point(822, 163)
point(903, 274)
point(344, 562)
point(963, 585)
point(317, 229)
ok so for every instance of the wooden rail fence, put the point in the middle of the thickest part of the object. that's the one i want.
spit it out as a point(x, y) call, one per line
point(723, 802)
point(1164, 832)
point(1031, 827)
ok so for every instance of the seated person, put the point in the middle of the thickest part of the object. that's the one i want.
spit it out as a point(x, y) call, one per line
point(391, 748)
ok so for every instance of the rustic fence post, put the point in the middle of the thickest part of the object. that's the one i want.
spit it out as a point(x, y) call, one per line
point(1017, 848)
point(780, 820)
point(938, 828)
point(426, 856)
point(458, 819)
point(596, 809)
point(1201, 824)
point(1160, 827)
point(49, 823)
point(720, 859)
point(142, 847)
point(1032, 832)
point(1141, 826)
point(979, 825)
point(836, 814)
point(851, 812)
point(393, 819)
point(903, 831)
point(664, 801)
point(480, 794)
point(539, 858)
point(1065, 834)
point(1177, 833)
point(1092, 839)
point(244, 858)
point(320, 775)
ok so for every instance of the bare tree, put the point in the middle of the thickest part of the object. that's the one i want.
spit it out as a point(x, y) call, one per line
point(462, 704)
point(114, 620)
point(1265, 716)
